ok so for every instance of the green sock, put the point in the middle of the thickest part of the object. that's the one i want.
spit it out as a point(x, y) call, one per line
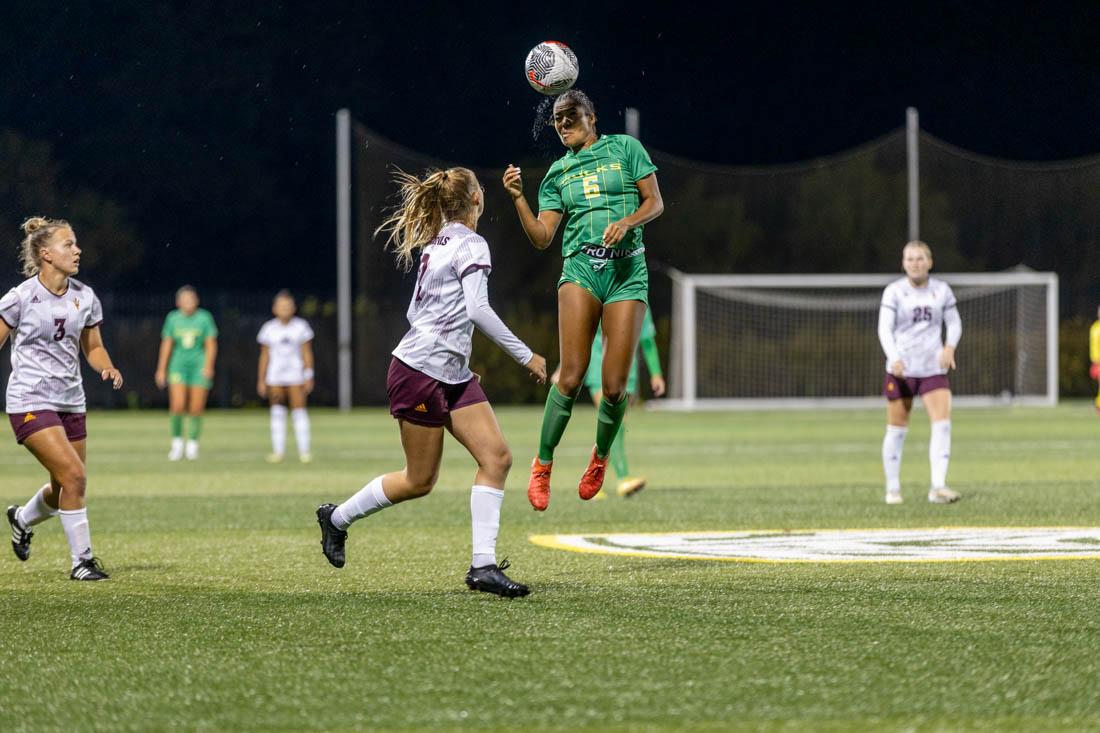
point(555, 417)
point(618, 453)
point(607, 425)
point(176, 421)
point(196, 427)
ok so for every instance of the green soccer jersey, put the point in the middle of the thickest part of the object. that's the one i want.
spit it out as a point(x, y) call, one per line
point(188, 334)
point(594, 187)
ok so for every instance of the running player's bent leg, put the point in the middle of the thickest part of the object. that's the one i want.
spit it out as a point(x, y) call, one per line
point(423, 452)
point(64, 461)
point(476, 428)
point(38, 509)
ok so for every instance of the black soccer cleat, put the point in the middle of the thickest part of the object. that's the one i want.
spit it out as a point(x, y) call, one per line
point(332, 539)
point(90, 569)
point(491, 579)
point(20, 537)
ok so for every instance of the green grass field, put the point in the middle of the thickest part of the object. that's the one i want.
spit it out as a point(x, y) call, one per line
point(222, 614)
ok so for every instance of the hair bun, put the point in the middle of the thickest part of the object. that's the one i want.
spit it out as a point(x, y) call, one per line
point(33, 224)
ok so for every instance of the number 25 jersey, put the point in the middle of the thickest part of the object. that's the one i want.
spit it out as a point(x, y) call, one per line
point(918, 324)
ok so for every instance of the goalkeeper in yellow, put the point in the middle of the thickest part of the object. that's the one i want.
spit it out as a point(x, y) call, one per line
point(1094, 354)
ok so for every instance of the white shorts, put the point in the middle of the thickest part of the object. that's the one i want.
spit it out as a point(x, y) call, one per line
point(285, 377)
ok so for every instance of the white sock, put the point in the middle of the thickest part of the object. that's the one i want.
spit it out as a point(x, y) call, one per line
point(365, 502)
point(892, 445)
point(301, 428)
point(36, 510)
point(485, 519)
point(939, 452)
point(278, 429)
point(75, 523)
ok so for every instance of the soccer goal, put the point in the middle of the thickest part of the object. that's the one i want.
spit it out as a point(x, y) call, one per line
point(793, 341)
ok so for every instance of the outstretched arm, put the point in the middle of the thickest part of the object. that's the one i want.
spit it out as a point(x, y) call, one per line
point(475, 289)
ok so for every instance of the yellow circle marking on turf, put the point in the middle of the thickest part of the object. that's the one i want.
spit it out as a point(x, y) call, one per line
point(898, 544)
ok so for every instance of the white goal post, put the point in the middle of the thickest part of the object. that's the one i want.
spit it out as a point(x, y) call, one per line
point(796, 341)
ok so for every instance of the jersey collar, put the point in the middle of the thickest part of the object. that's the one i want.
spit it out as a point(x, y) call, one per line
point(599, 141)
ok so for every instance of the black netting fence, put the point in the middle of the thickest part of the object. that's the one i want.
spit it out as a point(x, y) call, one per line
point(843, 213)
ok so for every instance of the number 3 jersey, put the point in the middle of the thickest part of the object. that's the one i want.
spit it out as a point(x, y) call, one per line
point(451, 297)
point(45, 344)
point(911, 322)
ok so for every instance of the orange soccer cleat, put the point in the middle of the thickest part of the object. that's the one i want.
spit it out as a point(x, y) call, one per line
point(592, 479)
point(538, 490)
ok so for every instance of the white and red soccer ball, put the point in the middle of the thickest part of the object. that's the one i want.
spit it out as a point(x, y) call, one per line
point(551, 67)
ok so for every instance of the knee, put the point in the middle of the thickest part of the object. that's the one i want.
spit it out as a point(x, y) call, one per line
point(569, 384)
point(74, 480)
point(418, 486)
point(499, 461)
point(614, 392)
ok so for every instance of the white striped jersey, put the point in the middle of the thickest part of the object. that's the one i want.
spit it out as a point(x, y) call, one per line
point(45, 344)
point(284, 349)
point(441, 331)
point(918, 319)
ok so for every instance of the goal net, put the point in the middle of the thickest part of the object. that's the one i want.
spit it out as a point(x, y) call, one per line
point(774, 341)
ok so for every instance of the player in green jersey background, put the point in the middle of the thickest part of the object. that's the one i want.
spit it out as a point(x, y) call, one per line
point(188, 348)
point(607, 187)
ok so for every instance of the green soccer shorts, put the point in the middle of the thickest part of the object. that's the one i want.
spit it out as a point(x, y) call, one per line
point(609, 280)
point(189, 375)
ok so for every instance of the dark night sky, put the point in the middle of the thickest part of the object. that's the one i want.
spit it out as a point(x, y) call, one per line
point(212, 127)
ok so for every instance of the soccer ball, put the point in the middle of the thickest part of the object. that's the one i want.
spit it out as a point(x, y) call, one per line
point(551, 67)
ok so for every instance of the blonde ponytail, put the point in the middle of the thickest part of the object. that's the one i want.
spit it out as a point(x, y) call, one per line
point(38, 230)
point(425, 206)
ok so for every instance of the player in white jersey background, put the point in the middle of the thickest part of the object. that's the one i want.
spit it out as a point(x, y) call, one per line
point(51, 317)
point(285, 375)
point(914, 311)
point(430, 385)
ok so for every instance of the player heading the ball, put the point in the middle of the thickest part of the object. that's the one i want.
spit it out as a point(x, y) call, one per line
point(607, 187)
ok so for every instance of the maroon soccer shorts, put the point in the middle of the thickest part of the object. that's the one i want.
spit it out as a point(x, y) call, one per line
point(26, 424)
point(909, 387)
point(416, 397)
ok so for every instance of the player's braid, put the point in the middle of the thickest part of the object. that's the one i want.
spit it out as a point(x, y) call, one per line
point(37, 230)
